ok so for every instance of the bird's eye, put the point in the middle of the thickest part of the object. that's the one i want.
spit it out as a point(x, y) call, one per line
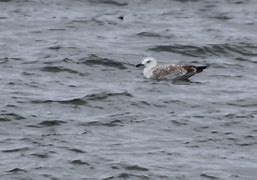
point(148, 61)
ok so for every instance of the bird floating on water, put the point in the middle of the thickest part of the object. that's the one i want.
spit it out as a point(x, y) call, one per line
point(168, 72)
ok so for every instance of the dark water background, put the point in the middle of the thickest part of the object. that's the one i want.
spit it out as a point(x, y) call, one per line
point(73, 105)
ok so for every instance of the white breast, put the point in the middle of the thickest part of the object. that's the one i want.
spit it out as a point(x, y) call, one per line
point(148, 73)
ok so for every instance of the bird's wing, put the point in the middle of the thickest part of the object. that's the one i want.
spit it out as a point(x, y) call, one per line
point(171, 71)
point(176, 72)
point(189, 71)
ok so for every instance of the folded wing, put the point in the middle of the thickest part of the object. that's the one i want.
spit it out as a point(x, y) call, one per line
point(176, 72)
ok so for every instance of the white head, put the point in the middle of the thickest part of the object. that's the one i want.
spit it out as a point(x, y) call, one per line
point(148, 62)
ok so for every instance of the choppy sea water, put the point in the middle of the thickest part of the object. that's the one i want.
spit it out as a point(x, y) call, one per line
point(74, 106)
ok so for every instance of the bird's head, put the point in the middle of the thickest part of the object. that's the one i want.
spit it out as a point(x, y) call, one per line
point(148, 62)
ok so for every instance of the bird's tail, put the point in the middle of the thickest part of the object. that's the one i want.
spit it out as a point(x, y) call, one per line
point(200, 68)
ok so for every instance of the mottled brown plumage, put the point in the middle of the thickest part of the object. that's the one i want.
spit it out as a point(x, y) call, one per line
point(172, 71)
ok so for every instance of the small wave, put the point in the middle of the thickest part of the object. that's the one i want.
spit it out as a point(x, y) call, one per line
point(136, 168)
point(7, 59)
point(57, 47)
point(56, 29)
point(186, 1)
point(84, 100)
point(76, 150)
point(4, 119)
point(109, 2)
point(128, 167)
point(16, 170)
point(243, 103)
point(6, 0)
point(236, 116)
point(76, 101)
point(39, 155)
point(51, 123)
point(205, 175)
point(4, 60)
point(149, 34)
point(56, 69)
point(79, 162)
point(153, 35)
point(209, 50)
point(10, 117)
point(91, 21)
point(178, 102)
point(246, 144)
point(112, 123)
point(113, 120)
point(225, 76)
point(178, 123)
point(245, 60)
point(102, 96)
point(140, 104)
point(222, 17)
point(64, 60)
point(16, 150)
point(127, 176)
point(93, 60)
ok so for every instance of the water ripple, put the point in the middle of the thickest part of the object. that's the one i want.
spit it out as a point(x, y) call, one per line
point(209, 50)
point(95, 60)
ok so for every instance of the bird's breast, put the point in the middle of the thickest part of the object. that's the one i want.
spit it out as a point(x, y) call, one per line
point(148, 73)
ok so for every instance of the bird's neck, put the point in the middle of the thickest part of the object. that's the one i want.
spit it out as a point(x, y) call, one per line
point(148, 71)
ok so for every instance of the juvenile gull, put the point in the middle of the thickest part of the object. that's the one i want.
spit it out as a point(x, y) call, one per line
point(168, 72)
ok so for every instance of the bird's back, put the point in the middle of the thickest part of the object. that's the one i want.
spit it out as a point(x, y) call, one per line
point(170, 71)
point(175, 72)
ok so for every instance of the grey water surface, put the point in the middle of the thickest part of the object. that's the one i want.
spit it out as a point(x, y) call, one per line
point(74, 106)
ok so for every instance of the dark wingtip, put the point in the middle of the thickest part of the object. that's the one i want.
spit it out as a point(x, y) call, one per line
point(201, 68)
point(121, 17)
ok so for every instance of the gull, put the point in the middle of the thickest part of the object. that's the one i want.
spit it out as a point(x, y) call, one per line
point(168, 72)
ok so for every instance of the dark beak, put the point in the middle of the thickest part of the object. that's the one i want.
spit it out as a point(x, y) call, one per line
point(138, 65)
